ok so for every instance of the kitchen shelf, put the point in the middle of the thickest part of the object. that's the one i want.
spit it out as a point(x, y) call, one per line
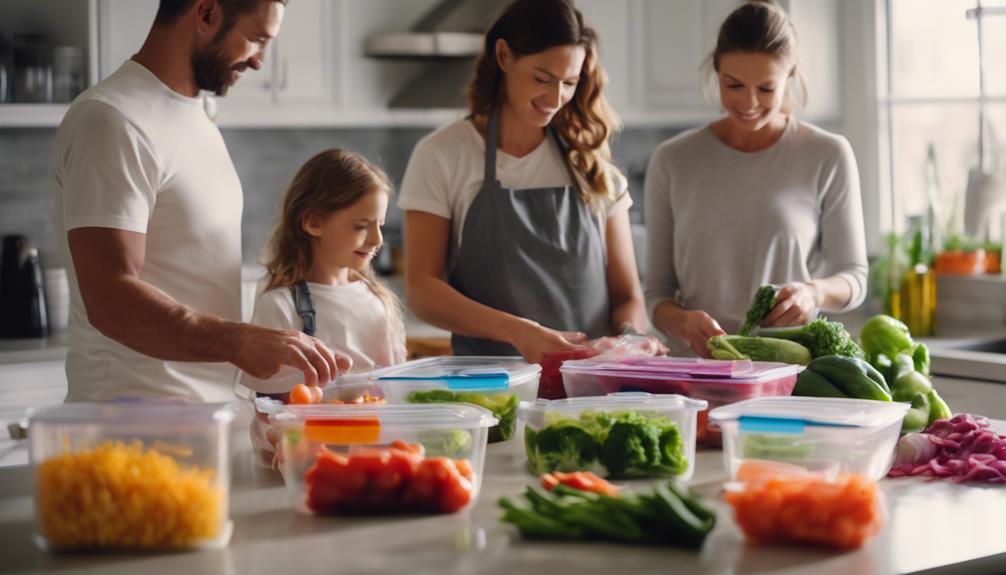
point(31, 115)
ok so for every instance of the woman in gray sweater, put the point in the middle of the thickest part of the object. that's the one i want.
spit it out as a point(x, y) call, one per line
point(756, 197)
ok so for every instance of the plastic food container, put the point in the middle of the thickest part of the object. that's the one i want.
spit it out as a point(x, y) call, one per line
point(265, 437)
point(383, 459)
point(131, 475)
point(719, 382)
point(579, 434)
point(817, 433)
point(498, 384)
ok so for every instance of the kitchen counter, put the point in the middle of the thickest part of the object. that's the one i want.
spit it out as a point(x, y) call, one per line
point(936, 527)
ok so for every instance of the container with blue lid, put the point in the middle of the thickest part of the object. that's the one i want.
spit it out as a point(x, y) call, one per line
point(817, 433)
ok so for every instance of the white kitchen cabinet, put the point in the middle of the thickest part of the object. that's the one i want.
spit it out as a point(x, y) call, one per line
point(654, 51)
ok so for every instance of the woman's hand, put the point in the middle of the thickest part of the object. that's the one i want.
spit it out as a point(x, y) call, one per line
point(796, 304)
point(696, 327)
point(534, 341)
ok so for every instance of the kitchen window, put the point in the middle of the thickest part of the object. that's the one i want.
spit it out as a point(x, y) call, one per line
point(930, 99)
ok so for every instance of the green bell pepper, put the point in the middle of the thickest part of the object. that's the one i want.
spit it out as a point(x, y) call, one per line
point(939, 409)
point(886, 335)
point(910, 384)
point(917, 418)
point(920, 357)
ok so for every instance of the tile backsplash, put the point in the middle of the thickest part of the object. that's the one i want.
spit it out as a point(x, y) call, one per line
point(266, 160)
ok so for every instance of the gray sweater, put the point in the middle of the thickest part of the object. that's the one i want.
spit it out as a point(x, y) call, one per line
point(720, 222)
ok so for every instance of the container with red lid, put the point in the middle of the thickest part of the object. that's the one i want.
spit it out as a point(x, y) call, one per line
point(719, 382)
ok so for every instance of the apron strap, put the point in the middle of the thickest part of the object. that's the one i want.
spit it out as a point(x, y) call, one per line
point(304, 304)
point(491, 141)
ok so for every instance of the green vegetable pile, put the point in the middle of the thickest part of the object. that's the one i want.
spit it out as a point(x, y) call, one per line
point(776, 447)
point(503, 406)
point(763, 302)
point(627, 444)
point(823, 337)
point(671, 515)
point(905, 365)
point(452, 443)
point(898, 370)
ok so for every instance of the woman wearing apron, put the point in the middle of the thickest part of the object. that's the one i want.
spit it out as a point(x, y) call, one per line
point(757, 197)
point(517, 235)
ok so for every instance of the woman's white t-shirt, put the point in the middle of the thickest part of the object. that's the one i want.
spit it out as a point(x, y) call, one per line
point(447, 168)
point(349, 318)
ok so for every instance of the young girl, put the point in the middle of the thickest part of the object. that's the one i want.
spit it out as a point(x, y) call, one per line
point(320, 275)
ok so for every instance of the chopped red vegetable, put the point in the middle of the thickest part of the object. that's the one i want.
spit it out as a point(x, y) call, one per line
point(963, 448)
point(582, 480)
point(393, 479)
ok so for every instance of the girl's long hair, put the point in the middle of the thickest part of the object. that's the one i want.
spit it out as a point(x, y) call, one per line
point(587, 122)
point(330, 181)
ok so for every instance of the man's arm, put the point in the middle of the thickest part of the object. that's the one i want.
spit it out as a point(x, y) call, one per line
point(136, 314)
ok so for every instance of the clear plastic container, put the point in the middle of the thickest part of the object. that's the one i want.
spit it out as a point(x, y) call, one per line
point(578, 413)
point(719, 382)
point(131, 475)
point(817, 433)
point(265, 437)
point(498, 384)
point(365, 460)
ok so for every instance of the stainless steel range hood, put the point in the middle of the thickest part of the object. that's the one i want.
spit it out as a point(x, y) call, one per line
point(449, 37)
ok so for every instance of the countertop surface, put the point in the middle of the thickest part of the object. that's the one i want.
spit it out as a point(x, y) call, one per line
point(936, 527)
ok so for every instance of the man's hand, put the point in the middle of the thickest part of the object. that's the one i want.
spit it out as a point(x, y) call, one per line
point(262, 351)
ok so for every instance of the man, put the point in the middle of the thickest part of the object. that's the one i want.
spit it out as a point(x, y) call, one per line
point(148, 213)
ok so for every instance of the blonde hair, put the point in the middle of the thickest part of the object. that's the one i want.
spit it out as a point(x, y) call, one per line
point(587, 122)
point(761, 27)
point(330, 181)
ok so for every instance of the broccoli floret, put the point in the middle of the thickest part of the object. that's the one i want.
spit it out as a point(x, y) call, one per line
point(672, 448)
point(632, 448)
point(503, 406)
point(823, 337)
point(761, 304)
point(560, 447)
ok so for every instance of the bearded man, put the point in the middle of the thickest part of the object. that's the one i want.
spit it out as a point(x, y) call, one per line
point(148, 218)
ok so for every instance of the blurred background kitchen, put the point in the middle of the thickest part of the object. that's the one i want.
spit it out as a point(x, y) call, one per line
point(917, 86)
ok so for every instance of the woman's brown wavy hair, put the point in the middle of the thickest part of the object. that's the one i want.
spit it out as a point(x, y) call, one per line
point(587, 122)
point(330, 181)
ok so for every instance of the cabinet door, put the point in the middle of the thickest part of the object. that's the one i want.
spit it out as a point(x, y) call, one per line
point(23, 386)
point(676, 37)
point(304, 54)
point(122, 28)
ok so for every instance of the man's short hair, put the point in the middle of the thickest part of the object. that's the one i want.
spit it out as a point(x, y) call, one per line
point(169, 10)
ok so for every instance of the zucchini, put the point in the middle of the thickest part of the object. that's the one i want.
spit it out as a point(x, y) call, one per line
point(758, 349)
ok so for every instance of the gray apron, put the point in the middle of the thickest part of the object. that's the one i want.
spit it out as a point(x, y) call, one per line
point(537, 253)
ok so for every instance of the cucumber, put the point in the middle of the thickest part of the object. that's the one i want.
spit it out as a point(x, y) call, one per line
point(758, 349)
point(853, 376)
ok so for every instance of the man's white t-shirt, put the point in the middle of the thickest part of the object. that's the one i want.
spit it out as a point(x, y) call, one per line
point(349, 318)
point(447, 168)
point(132, 154)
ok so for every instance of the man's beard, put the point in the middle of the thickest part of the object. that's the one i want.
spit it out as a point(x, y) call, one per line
point(213, 71)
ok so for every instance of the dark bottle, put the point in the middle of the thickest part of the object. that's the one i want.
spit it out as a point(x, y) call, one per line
point(35, 318)
point(10, 284)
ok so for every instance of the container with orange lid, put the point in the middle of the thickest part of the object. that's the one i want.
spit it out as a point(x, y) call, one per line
point(383, 459)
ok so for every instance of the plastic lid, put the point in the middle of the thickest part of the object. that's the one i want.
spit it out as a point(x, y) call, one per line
point(791, 413)
point(462, 372)
point(629, 401)
point(689, 369)
point(133, 411)
point(419, 416)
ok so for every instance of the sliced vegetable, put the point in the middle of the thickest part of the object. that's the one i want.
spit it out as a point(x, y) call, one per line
point(395, 479)
point(671, 515)
point(963, 448)
point(582, 480)
point(761, 305)
point(842, 513)
point(306, 394)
